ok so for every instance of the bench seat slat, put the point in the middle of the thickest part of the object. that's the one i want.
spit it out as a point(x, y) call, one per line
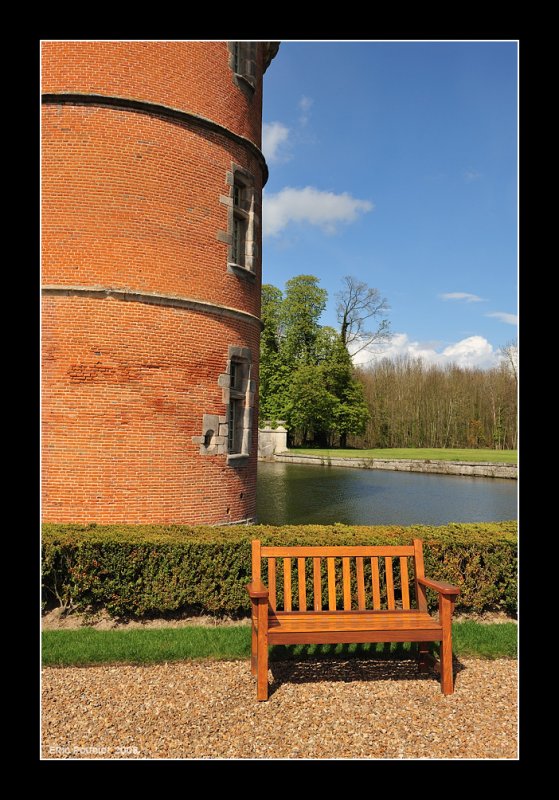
point(320, 636)
point(352, 620)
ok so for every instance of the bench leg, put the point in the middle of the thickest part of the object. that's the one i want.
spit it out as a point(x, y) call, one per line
point(445, 615)
point(262, 653)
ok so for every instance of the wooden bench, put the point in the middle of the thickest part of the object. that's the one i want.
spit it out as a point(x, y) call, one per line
point(379, 574)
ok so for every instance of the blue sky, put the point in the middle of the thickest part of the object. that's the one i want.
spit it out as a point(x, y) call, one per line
point(396, 162)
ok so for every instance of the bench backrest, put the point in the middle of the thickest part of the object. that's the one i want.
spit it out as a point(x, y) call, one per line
point(340, 577)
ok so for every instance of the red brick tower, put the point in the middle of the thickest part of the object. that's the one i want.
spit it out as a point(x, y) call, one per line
point(151, 233)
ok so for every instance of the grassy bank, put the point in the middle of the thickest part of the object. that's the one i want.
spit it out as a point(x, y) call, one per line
point(88, 646)
point(420, 453)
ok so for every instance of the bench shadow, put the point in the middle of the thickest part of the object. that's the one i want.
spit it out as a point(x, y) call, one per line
point(348, 663)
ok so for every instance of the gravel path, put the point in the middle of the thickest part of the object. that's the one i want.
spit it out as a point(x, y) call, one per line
point(317, 709)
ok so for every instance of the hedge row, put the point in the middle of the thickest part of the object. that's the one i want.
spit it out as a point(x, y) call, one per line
point(138, 570)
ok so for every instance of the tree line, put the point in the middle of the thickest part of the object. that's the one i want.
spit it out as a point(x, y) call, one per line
point(413, 404)
point(308, 380)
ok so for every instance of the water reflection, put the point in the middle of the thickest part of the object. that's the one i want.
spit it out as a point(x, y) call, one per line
point(303, 495)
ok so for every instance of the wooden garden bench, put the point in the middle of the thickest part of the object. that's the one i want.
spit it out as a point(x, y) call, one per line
point(380, 575)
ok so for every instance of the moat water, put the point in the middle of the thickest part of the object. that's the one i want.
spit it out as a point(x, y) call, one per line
point(298, 494)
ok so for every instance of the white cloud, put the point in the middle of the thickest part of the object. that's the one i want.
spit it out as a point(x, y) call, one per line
point(310, 206)
point(471, 175)
point(469, 298)
point(503, 316)
point(474, 351)
point(274, 135)
point(305, 104)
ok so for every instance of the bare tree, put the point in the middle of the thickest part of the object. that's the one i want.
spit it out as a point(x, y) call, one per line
point(509, 354)
point(356, 308)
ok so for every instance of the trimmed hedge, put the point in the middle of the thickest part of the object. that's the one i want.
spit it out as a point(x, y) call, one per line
point(138, 570)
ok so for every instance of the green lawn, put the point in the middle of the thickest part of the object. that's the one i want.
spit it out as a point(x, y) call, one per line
point(421, 453)
point(86, 646)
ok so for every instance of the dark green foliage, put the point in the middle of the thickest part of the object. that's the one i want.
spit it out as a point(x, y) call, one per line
point(135, 570)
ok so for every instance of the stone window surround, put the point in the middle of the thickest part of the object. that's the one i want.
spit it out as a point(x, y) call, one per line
point(215, 427)
point(241, 176)
point(244, 73)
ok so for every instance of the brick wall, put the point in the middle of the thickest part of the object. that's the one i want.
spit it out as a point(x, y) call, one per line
point(131, 201)
point(191, 76)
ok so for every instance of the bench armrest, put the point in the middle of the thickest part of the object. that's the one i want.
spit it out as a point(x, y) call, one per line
point(257, 590)
point(439, 586)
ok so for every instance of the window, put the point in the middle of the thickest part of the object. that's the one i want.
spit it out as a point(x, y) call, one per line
point(230, 435)
point(242, 60)
point(234, 440)
point(240, 224)
point(237, 58)
point(237, 392)
point(242, 220)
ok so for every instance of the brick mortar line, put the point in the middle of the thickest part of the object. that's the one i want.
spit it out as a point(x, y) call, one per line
point(129, 295)
point(147, 107)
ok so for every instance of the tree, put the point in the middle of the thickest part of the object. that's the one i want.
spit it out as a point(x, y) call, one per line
point(311, 407)
point(306, 372)
point(509, 354)
point(275, 373)
point(357, 306)
point(302, 306)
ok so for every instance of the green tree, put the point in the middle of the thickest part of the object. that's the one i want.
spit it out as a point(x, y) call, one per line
point(311, 408)
point(275, 373)
point(306, 373)
point(302, 306)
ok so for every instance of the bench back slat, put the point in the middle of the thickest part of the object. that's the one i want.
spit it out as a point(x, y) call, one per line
point(347, 577)
point(347, 583)
point(389, 583)
point(420, 591)
point(287, 584)
point(302, 581)
point(376, 583)
point(317, 585)
point(331, 583)
point(360, 583)
point(405, 583)
point(272, 581)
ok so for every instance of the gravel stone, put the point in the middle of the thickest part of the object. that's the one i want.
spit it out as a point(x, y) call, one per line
point(318, 709)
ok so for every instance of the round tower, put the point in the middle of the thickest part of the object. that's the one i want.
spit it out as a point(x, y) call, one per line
point(152, 181)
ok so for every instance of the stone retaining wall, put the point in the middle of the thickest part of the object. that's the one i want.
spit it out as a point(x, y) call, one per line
point(482, 469)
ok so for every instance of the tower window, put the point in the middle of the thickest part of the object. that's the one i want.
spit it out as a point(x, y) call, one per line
point(240, 225)
point(235, 439)
point(242, 60)
point(241, 257)
point(239, 406)
point(237, 58)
